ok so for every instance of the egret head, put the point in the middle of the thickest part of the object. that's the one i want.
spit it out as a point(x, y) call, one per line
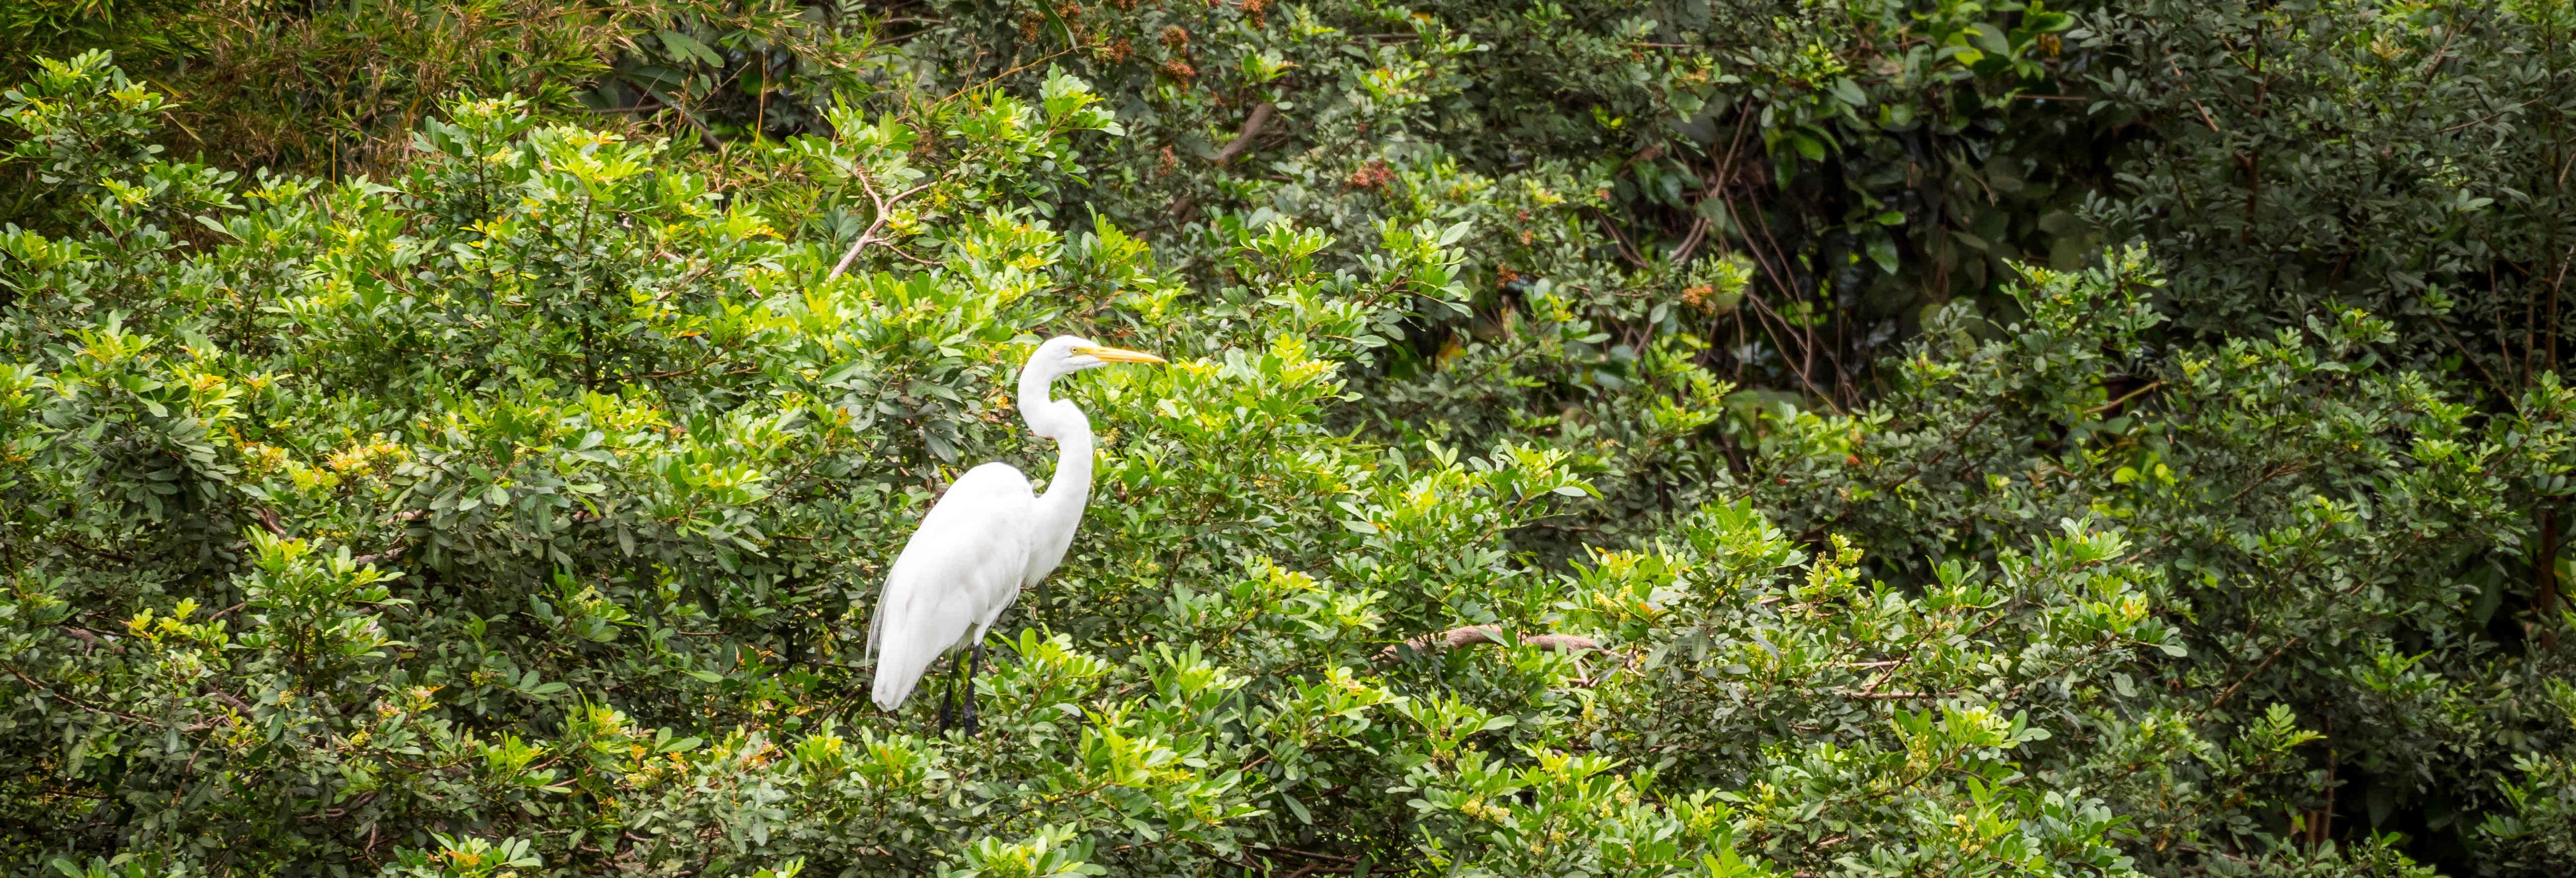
point(1060, 356)
point(1066, 354)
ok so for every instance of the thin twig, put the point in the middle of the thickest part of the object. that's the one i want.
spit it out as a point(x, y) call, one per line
point(2230, 691)
point(2123, 398)
point(1310, 854)
point(1690, 242)
point(1619, 239)
point(75, 702)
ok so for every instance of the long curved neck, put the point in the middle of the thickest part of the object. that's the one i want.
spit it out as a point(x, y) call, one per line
point(1060, 509)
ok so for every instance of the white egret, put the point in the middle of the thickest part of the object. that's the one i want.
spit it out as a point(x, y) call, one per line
point(988, 537)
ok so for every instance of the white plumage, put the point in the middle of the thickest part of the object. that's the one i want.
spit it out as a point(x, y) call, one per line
point(956, 576)
point(988, 537)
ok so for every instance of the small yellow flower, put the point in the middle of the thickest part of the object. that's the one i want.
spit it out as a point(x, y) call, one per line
point(262, 460)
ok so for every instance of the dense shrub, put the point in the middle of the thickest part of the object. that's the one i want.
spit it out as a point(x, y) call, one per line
point(1877, 438)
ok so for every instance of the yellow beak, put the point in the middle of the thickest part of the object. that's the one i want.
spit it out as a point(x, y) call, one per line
point(1116, 355)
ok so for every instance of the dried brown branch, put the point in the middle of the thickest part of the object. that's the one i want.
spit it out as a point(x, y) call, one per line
point(1691, 242)
point(1252, 126)
point(884, 211)
point(1474, 634)
point(238, 705)
point(89, 639)
point(268, 522)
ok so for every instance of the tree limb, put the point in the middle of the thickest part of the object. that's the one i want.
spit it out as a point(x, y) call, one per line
point(1252, 125)
point(883, 206)
point(1474, 634)
point(268, 521)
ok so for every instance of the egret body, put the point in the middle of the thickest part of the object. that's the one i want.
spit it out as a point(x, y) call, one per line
point(988, 537)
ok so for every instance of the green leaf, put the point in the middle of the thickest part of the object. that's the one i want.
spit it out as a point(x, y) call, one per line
point(1882, 250)
point(687, 48)
point(1809, 147)
point(1056, 25)
point(1849, 92)
point(1298, 808)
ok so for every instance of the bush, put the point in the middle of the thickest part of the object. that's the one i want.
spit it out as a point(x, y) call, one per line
point(1616, 439)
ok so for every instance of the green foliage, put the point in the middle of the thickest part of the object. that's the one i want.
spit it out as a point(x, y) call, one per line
point(2316, 156)
point(2336, 534)
point(1862, 438)
point(638, 456)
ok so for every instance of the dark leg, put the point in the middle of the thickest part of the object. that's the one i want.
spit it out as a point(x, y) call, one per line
point(944, 697)
point(973, 665)
point(947, 701)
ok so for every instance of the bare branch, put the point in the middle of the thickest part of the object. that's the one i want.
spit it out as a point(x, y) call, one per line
point(1475, 634)
point(884, 208)
point(1251, 128)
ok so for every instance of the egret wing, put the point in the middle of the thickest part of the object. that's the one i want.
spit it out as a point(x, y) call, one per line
point(965, 561)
